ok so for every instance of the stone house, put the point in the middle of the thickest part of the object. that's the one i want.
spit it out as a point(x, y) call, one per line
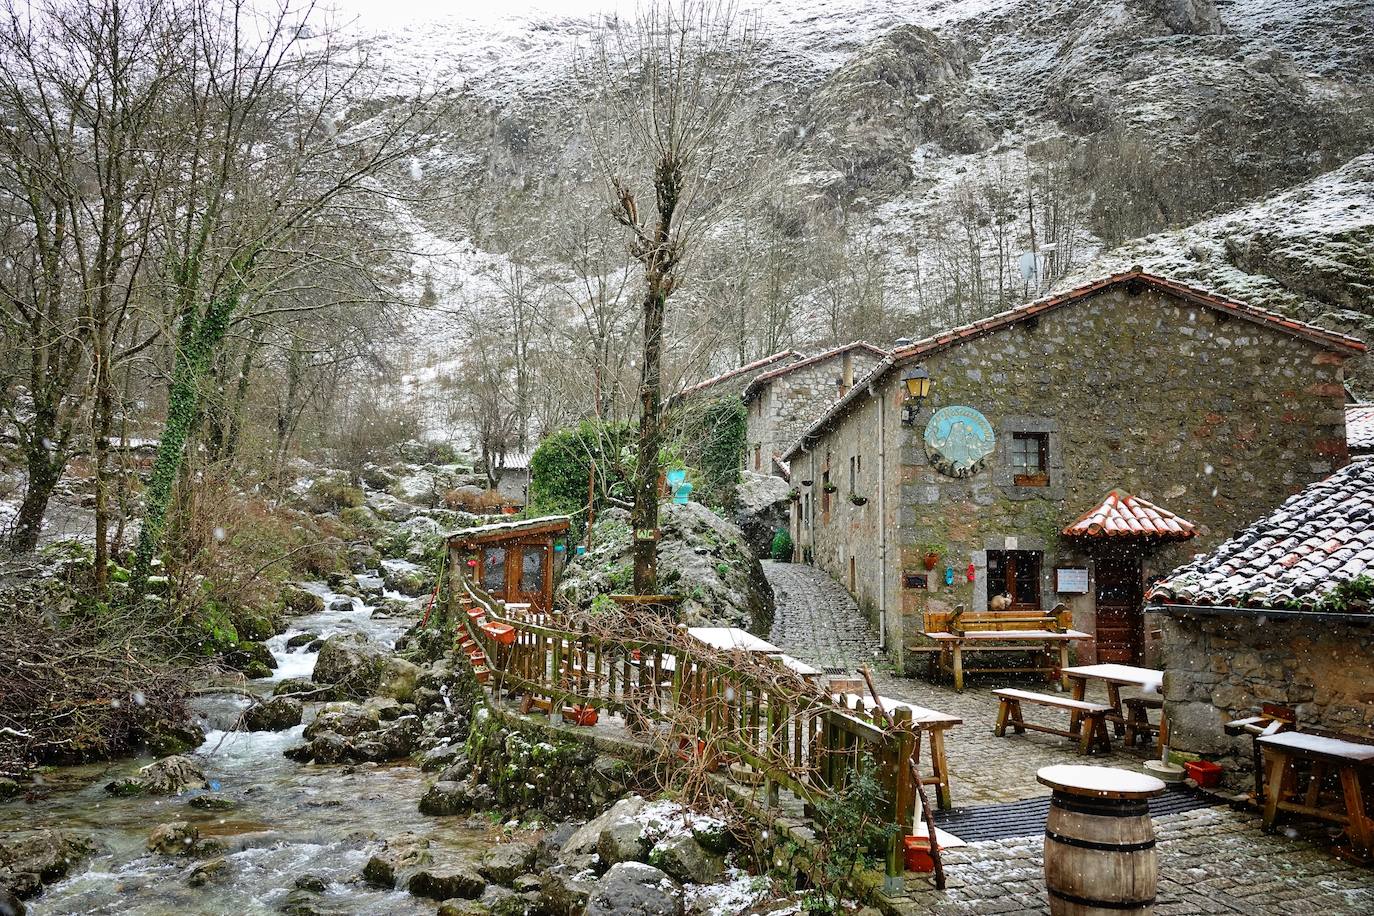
point(733, 381)
point(1359, 429)
point(1279, 614)
point(1070, 450)
point(513, 479)
point(786, 399)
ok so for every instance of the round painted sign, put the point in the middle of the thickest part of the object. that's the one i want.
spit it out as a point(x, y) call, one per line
point(958, 440)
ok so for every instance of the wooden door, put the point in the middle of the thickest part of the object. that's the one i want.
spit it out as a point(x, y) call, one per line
point(1120, 619)
point(529, 575)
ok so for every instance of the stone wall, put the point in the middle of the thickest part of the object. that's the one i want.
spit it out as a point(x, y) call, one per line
point(1218, 668)
point(1214, 417)
point(790, 403)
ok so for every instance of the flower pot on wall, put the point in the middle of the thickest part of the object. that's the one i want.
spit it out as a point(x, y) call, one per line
point(931, 560)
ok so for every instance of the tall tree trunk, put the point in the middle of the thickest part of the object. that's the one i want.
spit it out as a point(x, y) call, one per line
point(44, 470)
point(103, 421)
point(198, 345)
point(644, 516)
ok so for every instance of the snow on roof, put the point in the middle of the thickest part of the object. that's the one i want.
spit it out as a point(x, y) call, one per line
point(1321, 337)
point(517, 525)
point(1317, 540)
point(1124, 515)
point(1359, 426)
point(762, 379)
point(757, 364)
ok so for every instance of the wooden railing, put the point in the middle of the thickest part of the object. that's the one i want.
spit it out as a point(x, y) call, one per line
point(704, 704)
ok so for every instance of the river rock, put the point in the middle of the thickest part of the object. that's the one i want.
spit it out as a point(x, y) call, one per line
point(175, 839)
point(585, 839)
point(505, 862)
point(31, 860)
point(635, 889)
point(623, 841)
point(168, 776)
point(386, 708)
point(397, 679)
point(11, 905)
point(713, 835)
point(352, 664)
point(445, 798)
point(213, 802)
point(565, 890)
point(341, 604)
point(683, 859)
point(300, 639)
point(273, 715)
point(398, 857)
point(247, 654)
point(293, 686)
point(312, 883)
point(166, 738)
point(212, 870)
point(301, 602)
point(392, 742)
point(442, 757)
point(347, 719)
point(443, 882)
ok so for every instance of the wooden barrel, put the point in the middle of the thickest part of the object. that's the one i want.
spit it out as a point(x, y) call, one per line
point(1100, 857)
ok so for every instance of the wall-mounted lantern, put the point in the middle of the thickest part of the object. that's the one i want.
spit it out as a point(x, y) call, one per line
point(916, 381)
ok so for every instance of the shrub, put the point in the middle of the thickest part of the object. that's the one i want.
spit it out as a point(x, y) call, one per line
point(470, 499)
point(781, 548)
point(330, 494)
point(711, 438)
point(561, 466)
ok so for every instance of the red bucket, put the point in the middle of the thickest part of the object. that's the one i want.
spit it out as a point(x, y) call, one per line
point(1204, 772)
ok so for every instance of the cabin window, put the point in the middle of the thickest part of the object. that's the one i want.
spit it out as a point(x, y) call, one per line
point(494, 569)
point(532, 570)
point(1014, 575)
point(1030, 459)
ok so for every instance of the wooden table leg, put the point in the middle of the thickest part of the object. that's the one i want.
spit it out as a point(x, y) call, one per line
point(943, 798)
point(958, 668)
point(1276, 765)
point(1063, 663)
point(1114, 700)
point(1080, 687)
point(1360, 828)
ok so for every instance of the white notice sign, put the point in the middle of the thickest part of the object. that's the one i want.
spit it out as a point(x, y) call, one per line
point(1071, 580)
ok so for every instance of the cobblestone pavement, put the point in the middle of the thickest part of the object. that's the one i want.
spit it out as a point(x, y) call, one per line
point(1213, 860)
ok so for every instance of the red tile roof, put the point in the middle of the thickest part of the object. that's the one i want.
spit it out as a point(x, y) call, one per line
point(1329, 340)
point(757, 364)
point(1122, 515)
point(1317, 541)
point(764, 378)
point(1359, 426)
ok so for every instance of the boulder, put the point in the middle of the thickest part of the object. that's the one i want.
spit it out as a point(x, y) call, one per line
point(31, 860)
point(347, 719)
point(386, 708)
point(683, 859)
point(442, 757)
point(763, 504)
point(312, 883)
point(565, 890)
point(341, 604)
point(397, 679)
point(444, 882)
point(300, 639)
point(392, 742)
point(585, 839)
point(212, 802)
point(445, 798)
point(352, 664)
point(175, 839)
point(212, 870)
point(635, 889)
point(398, 857)
point(164, 738)
point(273, 715)
point(168, 776)
point(505, 862)
point(713, 835)
point(300, 602)
point(11, 905)
point(623, 841)
point(249, 656)
point(701, 557)
point(292, 686)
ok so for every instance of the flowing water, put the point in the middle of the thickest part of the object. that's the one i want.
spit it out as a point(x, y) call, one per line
point(289, 819)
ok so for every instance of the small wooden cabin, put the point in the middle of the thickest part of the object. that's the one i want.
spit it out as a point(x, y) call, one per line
point(516, 561)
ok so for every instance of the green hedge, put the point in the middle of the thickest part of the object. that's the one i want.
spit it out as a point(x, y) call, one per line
point(560, 466)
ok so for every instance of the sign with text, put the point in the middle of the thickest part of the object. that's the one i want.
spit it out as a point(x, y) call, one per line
point(1071, 580)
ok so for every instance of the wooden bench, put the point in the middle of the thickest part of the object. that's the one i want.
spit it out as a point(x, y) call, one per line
point(1349, 759)
point(1091, 733)
point(1138, 726)
point(949, 635)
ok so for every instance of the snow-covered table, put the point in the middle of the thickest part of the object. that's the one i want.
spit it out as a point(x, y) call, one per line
point(1115, 676)
point(732, 638)
point(1351, 760)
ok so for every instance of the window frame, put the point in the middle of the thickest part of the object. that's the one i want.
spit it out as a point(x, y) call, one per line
point(1019, 475)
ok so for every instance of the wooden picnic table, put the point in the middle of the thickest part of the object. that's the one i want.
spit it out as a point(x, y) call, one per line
point(732, 638)
point(952, 647)
point(1351, 760)
point(1115, 676)
point(933, 721)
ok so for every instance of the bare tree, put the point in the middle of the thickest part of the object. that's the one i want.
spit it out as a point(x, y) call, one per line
point(674, 123)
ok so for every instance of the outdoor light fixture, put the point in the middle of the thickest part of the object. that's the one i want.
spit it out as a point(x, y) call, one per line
point(916, 380)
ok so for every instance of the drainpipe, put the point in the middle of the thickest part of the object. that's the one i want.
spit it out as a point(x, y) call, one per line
point(882, 523)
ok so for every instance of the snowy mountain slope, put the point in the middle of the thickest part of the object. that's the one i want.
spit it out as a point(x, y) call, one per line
point(1218, 115)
